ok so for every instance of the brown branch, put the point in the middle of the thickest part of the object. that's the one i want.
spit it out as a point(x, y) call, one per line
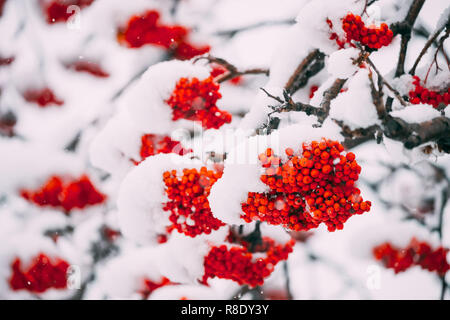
point(428, 44)
point(395, 92)
point(440, 45)
point(231, 33)
point(415, 134)
point(377, 98)
point(232, 71)
point(308, 67)
point(329, 95)
point(404, 28)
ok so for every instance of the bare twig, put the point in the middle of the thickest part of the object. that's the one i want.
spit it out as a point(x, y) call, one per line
point(232, 32)
point(377, 98)
point(428, 44)
point(395, 92)
point(329, 95)
point(440, 45)
point(232, 71)
point(308, 67)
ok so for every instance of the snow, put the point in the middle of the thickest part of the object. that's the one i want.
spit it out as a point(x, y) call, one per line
point(341, 63)
point(417, 113)
point(361, 114)
point(145, 99)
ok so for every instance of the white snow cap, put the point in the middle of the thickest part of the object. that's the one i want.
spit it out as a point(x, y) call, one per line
point(145, 99)
point(341, 63)
point(28, 165)
point(141, 197)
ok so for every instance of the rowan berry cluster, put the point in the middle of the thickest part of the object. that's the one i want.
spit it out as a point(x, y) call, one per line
point(244, 264)
point(188, 201)
point(65, 193)
point(372, 37)
point(43, 274)
point(421, 94)
point(355, 29)
point(149, 286)
point(195, 100)
point(57, 10)
point(42, 97)
point(417, 253)
point(147, 29)
point(314, 186)
point(88, 67)
point(152, 144)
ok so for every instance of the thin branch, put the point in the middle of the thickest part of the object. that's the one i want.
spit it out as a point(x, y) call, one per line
point(377, 98)
point(395, 92)
point(232, 71)
point(232, 32)
point(428, 44)
point(313, 63)
point(329, 95)
point(440, 45)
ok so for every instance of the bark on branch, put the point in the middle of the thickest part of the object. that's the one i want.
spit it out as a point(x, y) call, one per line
point(404, 28)
point(310, 66)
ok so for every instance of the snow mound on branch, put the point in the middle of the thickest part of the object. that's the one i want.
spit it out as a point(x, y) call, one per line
point(189, 292)
point(29, 165)
point(417, 113)
point(123, 277)
point(182, 258)
point(355, 107)
point(312, 20)
point(116, 144)
point(26, 246)
point(145, 99)
point(340, 63)
point(242, 168)
point(117, 13)
point(142, 193)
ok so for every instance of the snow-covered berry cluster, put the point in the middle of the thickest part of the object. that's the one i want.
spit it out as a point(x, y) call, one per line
point(244, 262)
point(66, 193)
point(195, 100)
point(42, 274)
point(372, 37)
point(417, 253)
point(188, 203)
point(420, 94)
point(355, 30)
point(314, 186)
point(147, 29)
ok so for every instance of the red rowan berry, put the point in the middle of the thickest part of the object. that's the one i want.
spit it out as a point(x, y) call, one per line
point(188, 204)
point(42, 274)
point(317, 190)
point(64, 193)
point(195, 100)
